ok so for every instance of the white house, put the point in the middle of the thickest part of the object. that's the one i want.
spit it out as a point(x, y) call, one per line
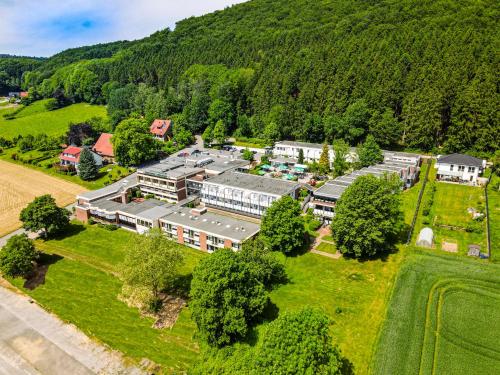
point(459, 168)
point(312, 151)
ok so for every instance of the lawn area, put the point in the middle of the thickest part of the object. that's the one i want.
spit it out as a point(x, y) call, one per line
point(107, 174)
point(35, 119)
point(81, 289)
point(448, 216)
point(327, 247)
point(443, 318)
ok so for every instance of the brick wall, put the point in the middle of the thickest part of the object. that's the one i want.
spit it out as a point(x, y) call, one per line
point(180, 234)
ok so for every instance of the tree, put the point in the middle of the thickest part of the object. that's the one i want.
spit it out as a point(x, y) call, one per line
point(207, 135)
point(133, 143)
point(87, 167)
point(247, 155)
point(324, 160)
point(341, 151)
point(300, 159)
point(226, 297)
point(385, 128)
point(151, 264)
point(368, 216)
point(298, 343)
point(43, 214)
point(369, 153)
point(282, 227)
point(18, 256)
point(272, 133)
point(182, 136)
point(219, 132)
point(77, 133)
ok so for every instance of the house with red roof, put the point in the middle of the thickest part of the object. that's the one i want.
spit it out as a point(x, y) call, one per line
point(161, 129)
point(71, 157)
point(104, 148)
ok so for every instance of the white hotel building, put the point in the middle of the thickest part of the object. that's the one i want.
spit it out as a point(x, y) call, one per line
point(245, 193)
point(312, 151)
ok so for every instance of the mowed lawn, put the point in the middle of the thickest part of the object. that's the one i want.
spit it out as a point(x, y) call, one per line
point(35, 119)
point(443, 318)
point(494, 211)
point(82, 288)
point(20, 185)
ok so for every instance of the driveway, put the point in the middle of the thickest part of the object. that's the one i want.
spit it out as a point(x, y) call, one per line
point(33, 341)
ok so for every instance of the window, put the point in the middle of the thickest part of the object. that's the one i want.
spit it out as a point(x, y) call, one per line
point(472, 169)
point(451, 167)
point(461, 168)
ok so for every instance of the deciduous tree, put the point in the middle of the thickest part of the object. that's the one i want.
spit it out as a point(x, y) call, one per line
point(324, 160)
point(368, 216)
point(133, 143)
point(18, 256)
point(369, 153)
point(341, 152)
point(282, 226)
point(43, 214)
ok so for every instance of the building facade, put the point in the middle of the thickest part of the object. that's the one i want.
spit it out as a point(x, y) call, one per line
point(459, 168)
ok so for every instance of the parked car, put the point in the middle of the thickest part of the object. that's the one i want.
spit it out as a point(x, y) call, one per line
point(195, 152)
point(183, 154)
point(229, 148)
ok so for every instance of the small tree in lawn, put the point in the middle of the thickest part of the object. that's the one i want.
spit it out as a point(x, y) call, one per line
point(18, 256)
point(87, 167)
point(324, 160)
point(282, 227)
point(340, 163)
point(226, 297)
point(150, 266)
point(300, 159)
point(369, 153)
point(298, 343)
point(44, 214)
point(368, 216)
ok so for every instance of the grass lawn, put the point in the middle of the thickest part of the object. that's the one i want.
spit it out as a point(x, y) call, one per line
point(443, 318)
point(81, 288)
point(35, 119)
point(327, 247)
point(107, 174)
point(448, 216)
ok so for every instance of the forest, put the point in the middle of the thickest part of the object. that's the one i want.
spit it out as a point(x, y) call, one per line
point(415, 74)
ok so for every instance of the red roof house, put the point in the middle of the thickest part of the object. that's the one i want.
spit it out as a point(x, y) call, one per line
point(23, 94)
point(71, 156)
point(104, 147)
point(161, 129)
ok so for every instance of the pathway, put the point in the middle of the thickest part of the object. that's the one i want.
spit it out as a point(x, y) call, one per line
point(33, 341)
point(322, 232)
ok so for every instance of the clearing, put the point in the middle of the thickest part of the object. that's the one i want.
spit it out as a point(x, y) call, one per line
point(443, 318)
point(35, 119)
point(20, 185)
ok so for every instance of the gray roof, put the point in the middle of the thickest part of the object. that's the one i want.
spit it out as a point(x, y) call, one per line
point(214, 223)
point(256, 183)
point(223, 165)
point(170, 170)
point(330, 191)
point(154, 213)
point(115, 188)
point(461, 159)
point(301, 144)
point(132, 208)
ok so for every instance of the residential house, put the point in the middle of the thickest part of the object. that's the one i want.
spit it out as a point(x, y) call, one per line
point(161, 129)
point(71, 157)
point(104, 148)
point(245, 193)
point(459, 168)
point(312, 151)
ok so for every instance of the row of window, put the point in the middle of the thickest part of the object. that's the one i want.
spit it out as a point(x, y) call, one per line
point(461, 168)
point(192, 237)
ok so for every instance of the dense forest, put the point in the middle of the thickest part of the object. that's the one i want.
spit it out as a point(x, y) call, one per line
point(12, 69)
point(415, 74)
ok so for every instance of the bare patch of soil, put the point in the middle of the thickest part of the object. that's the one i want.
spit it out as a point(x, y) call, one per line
point(170, 309)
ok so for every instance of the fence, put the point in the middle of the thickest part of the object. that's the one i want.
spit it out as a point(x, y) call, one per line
point(488, 236)
point(419, 200)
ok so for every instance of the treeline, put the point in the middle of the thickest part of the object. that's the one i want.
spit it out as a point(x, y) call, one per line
point(12, 69)
point(414, 74)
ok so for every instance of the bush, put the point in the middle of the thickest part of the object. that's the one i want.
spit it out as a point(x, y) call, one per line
point(110, 227)
point(426, 220)
point(474, 227)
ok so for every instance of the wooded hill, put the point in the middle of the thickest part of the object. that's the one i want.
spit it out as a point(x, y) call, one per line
point(415, 74)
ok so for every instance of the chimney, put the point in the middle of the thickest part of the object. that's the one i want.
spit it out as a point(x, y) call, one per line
point(198, 211)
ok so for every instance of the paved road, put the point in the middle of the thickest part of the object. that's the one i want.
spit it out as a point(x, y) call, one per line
point(32, 341)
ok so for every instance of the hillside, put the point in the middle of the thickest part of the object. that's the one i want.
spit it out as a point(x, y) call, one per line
point(318, 70)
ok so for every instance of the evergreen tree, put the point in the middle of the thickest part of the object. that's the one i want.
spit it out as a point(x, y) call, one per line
point(87, 167)
point(300, 159)
point(219, 132)
point(369, 153)
point(341, 151)
point(324, 160)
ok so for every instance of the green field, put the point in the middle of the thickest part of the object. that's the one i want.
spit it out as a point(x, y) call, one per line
point(494, 210)
point(35, 119)
point(443, 318)
point(82, 289)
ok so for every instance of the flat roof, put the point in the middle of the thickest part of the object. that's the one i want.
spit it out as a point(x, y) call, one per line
point(170, 170)
point(301, 144)
point(132, 208)
point(115, 188)
point(213, 223)
point(252, 182)
point(332, 191)
point(223, 165)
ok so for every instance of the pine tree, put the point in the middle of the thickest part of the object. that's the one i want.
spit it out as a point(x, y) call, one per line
point(87, 168)
point(301, 156)
point(324, 160)
point(219, 132)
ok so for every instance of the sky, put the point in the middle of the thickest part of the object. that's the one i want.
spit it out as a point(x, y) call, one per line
point(45, 27)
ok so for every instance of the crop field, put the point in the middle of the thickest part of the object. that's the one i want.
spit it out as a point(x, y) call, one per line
point(442, 319)
point(35, 119)
point(20, 185)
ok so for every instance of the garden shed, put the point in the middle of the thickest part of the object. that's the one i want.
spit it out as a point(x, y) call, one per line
point(425, 237)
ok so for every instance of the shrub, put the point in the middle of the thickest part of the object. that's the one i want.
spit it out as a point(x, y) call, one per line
point(474, 227)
